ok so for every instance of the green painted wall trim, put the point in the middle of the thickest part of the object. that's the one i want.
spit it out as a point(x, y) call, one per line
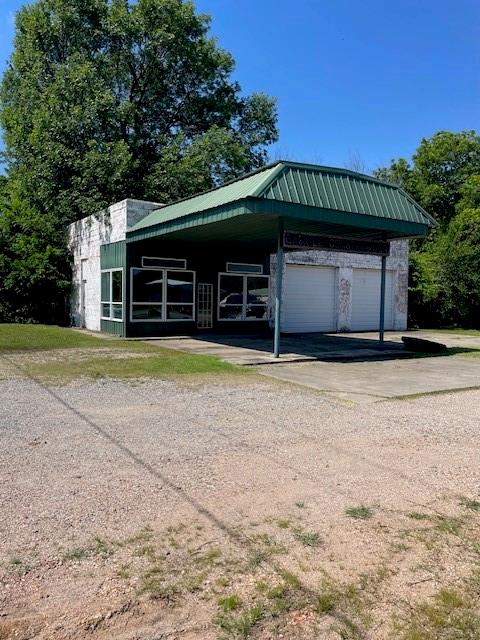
point(115, 328)
point(113, 255)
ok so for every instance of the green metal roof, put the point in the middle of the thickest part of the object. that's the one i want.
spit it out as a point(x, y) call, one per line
point(306, 191)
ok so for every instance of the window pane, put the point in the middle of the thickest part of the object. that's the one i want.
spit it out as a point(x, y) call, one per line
point(257, 290)
point(116, 286)
point(106, 310)
point(106, 286)
point(231, 313)
point(147, 312)
point(231, 290)
point(179, 286)
point(147, 285)
point(256, 311)
point(117, 311)
point(180, 311)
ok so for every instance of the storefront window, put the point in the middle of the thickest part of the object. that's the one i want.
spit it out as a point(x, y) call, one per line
point(159, 295)
point(242, 297)
point(111, 304)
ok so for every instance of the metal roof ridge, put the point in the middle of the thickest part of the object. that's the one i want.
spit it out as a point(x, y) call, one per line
point(348, 172)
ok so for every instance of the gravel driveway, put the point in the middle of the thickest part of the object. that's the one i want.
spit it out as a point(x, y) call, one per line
point(99, 478)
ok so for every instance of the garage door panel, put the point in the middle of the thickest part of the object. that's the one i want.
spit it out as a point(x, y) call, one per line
point(366, 300)
point(309, 299)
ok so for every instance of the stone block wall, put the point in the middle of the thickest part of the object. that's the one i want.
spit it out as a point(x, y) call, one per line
point(85, 238)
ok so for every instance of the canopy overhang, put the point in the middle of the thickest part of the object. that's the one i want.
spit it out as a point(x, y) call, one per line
point(256, 221)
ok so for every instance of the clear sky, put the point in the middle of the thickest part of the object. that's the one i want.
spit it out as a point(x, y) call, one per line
point(353, 78)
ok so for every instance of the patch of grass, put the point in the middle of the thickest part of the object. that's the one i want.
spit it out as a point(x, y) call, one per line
point(261, 586)
point(154, 584)
point(308, 538)
point(291, 579)
point(40, 337)
point(359, 513)
point(153, 363)
point(229, 603)
point(19, 566)
point(222, 581)
point(455, 331)
point(164, 363)
point(300, 505)
point(326, 601)
point(144, 535)
point(257, 558)
point(451, 614)
point(99, 547)
point(283, 523)
point(473, 505)
point(145, 551)
point(240, 625)
point(209, 558)
point(123, 572)
point(103, 547)
point(416, 515)
point(350, 601)
point(79, 553)
point(449, 525)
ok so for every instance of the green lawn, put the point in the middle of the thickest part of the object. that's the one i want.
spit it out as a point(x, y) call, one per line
point(460, 332)
point(40, 337)
point(124, 359)
point(163, 363)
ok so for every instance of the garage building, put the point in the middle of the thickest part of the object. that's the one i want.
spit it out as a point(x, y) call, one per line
point(209, 263)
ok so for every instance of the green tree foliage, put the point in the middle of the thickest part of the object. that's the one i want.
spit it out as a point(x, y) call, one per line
point(34, 267)
point(459, 267)
point(444, 177)
point(107, 99)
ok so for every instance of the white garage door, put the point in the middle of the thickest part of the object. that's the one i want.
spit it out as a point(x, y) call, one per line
point(366, 300)
point(309, 299)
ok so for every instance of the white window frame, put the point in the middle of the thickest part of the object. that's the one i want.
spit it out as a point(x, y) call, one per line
point(164, 302)
point(183, 260)
point(245, 264)
point(110, 302)
point(244, 293)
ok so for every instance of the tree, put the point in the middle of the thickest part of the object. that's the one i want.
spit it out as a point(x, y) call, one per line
point(444, 177)
point(459, 258)
point(34, 267)
point(440, 167)
point(107, 99)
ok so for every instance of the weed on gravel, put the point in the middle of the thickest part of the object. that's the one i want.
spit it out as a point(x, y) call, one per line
point(359, 513)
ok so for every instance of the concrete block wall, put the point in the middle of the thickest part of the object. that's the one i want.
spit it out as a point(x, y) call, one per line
point(85, 238)
point(345, 263)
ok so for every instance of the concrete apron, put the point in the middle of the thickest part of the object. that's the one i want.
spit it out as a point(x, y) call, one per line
point(258, 350)
point(351, 368)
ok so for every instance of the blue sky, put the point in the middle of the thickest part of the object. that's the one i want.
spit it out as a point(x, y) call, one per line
point(353, 78)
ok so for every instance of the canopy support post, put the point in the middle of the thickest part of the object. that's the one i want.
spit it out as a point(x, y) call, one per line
point(382, 300)
point(278, 290)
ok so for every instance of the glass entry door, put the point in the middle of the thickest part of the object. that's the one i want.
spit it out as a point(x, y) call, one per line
point(204, 305)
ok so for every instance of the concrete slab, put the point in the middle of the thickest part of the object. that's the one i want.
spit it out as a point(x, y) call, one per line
point(257, 350)
point(349, 366)
point(373, 381)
